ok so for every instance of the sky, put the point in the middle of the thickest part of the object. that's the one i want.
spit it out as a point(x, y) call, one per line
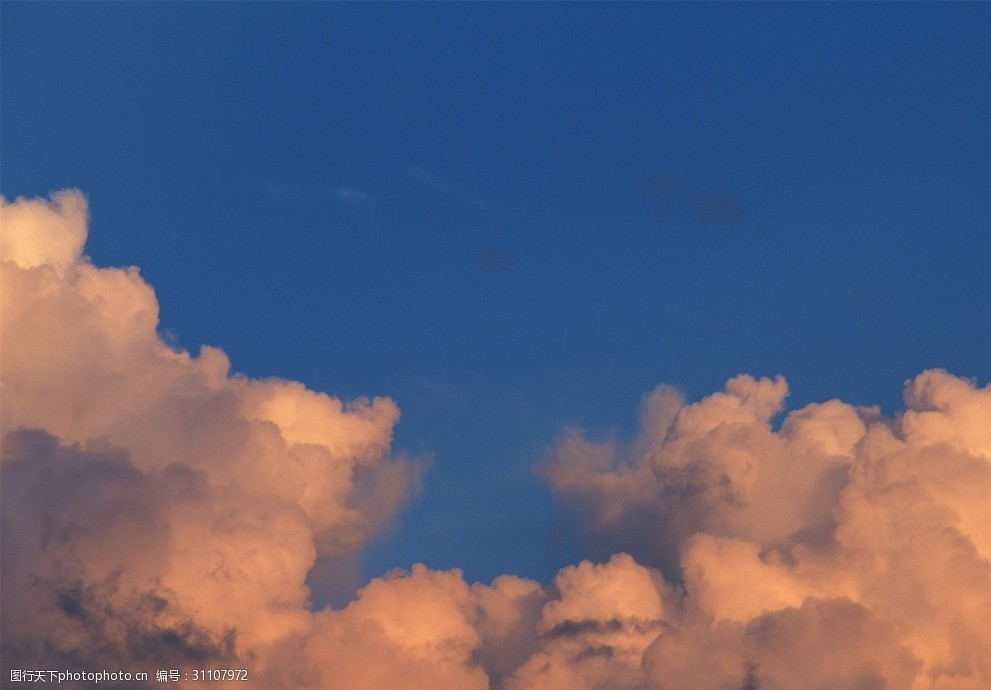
point(567, 311)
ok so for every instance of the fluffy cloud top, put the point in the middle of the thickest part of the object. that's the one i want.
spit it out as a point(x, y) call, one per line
point(847, 547)
point(158, 511)
point(134, 470)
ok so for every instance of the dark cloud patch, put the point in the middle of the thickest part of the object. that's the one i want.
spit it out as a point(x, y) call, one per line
point(750, 683)
point(658, 185)
point(720, 207)
point(838, 642)
point(66, 508)
point(109, 625)
point(653, 524)
point(603, 651)
point(71, 603)
point(575, 628)
point(675, 200)
point(664, 192)
point(494, 259)
point(76, 624)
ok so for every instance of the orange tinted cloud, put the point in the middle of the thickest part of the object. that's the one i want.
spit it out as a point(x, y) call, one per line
point(135, 472)
point(159, 510)
point(848, 545)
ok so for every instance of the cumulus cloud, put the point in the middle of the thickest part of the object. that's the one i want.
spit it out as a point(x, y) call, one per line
point(133, 472)
point(849, 546)
point(159, 511)
point(594, 632)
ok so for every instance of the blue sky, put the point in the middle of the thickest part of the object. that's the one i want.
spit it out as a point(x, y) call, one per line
point(512, 218)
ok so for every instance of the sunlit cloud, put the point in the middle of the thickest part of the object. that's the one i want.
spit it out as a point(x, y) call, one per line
point(252, 480)
point(848, 545)
point(158, 509)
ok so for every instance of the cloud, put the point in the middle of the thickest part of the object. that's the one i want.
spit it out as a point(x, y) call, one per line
point(429, 179)
point(352, 196)
point(432, 181)
point(820, 645)
point(59, 230)
point(850, 546)
point(87, 576)
point(495, 259)
point(159, 511)
point(595, 631)
point(720, 207)
point(312, 191)
point(274, 476)
point(673, 197)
